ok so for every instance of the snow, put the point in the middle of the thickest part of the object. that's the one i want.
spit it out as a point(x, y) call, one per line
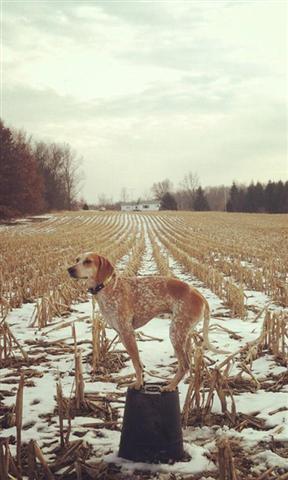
point(198, 463)
point(158, 360)
point(270, 459)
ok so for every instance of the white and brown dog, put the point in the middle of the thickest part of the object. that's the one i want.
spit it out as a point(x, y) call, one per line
point(127, 303)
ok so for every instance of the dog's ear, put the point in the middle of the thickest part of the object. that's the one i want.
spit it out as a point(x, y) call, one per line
point(105, 269)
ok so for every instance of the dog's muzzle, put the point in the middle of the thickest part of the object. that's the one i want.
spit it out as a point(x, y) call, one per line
point(72, 272)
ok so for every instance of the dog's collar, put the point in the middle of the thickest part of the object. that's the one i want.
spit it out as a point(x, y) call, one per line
point(95, 290)
point(100, 286)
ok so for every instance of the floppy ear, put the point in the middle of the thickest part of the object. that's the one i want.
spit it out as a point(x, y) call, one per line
point(105, 269)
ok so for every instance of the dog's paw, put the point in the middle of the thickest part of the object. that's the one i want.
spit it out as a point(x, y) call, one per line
point(135, 385)
point(169, 388)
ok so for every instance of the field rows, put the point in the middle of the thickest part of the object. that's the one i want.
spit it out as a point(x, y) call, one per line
point(239, 262)
point(253, 263)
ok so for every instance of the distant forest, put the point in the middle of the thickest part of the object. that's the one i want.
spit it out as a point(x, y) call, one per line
point(258, 198)
point(269, 198)
point(37, 176)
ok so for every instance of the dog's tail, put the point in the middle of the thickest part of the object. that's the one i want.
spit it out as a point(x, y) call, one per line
point(206, 342)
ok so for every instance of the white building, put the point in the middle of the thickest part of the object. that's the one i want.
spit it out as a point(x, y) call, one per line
point(149, 206)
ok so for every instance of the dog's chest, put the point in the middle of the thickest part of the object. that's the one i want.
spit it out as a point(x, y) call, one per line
point(109, 310)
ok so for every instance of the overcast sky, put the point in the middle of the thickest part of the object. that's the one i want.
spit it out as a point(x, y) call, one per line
point(148, 90)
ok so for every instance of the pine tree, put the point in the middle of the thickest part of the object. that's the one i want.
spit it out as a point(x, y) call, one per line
point(236, 199)
point(285, 199)
point(253, 198)
point(259, 198)
point(231, 204)
point(200, 203)
point(280, 192)
point(7, 159)
point(21, 186)
point(270, 200)
point(168, 202)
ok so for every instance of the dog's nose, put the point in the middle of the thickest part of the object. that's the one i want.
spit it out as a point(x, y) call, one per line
point(71, 271)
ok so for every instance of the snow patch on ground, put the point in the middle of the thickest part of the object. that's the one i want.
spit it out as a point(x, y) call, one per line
point(158, 359)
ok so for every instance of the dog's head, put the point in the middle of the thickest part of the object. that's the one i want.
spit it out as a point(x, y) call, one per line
point(92, 267)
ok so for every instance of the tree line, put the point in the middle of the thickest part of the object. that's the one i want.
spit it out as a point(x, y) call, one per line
point(35, 176)
point(189, 196)
point(258, 198)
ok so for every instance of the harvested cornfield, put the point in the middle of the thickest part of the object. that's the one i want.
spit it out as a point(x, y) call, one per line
point(64, 373)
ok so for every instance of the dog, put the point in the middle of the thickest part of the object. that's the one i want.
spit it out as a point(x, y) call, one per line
point(128, 303)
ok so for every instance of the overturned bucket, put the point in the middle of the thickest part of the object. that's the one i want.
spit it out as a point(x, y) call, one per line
point(151, 429)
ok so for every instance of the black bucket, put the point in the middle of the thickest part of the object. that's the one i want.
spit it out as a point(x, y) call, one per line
point(151, 429)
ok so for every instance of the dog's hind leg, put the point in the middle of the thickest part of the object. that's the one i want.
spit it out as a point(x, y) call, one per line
point(179, 335)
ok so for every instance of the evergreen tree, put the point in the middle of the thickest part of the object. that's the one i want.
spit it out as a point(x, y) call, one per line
point(200, 203)
point(259, 197)
point(168, 202)
point(236, 199)
point(281, 195)
point(254, 198)
point(285, 197)
point(7, 160)
point(21, 186)
point(270, 198)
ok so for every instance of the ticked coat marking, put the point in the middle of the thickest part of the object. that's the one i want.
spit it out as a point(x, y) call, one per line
point(128, 303)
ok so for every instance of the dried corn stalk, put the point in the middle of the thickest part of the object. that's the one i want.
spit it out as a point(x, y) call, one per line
point(226, 465)
point(204, 384)
point(19, 417)
point(59, 398)
point(79, 381)
point(273, 337)
point(8, 344)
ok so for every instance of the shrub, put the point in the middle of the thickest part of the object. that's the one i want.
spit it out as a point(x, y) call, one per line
point(7, 213)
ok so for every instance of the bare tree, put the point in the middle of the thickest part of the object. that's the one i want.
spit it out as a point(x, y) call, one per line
point(59, 166)
point(217, 197)
point(160, 188)
point(186, 194)
point(71, 175)
point(146, 195)
point(104, 201)
point(49, 160)
point(124, 196)
point(191, 182)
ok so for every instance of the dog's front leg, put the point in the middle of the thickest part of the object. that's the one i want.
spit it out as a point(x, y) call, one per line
point(128, 339)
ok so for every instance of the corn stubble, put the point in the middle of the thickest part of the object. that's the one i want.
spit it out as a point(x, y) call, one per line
point(227, 261)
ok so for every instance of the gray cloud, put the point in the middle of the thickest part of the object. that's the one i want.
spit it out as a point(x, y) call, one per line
point(150, 90)
point(23, 103)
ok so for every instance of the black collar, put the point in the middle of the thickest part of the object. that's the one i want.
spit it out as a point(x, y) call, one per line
point(99, 286)
point(95, 290)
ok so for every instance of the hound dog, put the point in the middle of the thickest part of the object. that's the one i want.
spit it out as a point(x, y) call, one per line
point(128, 303)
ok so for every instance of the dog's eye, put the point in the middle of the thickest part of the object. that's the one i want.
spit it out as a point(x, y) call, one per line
point(87, 261)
